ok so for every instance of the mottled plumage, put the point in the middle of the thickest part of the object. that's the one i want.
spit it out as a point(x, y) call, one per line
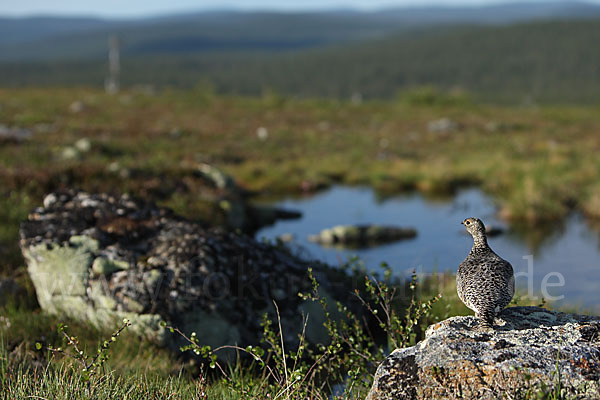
point(484, 281)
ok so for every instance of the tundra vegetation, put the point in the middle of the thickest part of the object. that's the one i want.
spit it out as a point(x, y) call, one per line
point(537, 162)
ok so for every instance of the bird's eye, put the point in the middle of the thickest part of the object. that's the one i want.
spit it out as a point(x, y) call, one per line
point(467, 223)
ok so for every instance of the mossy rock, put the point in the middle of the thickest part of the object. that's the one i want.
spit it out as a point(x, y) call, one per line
point(59, 270)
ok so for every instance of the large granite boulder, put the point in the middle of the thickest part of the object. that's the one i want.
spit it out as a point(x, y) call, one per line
point(101, 258)
point(532, 350)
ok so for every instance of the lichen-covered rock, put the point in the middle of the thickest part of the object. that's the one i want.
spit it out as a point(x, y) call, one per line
point(530, 350)
point(101, 258)
point(361, 235)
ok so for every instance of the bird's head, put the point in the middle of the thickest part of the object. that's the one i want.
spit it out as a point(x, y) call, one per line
point(475, 227)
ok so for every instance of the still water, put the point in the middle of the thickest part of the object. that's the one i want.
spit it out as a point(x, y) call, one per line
point(561, 262)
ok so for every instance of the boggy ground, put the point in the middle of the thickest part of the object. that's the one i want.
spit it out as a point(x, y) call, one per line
point(537, 161)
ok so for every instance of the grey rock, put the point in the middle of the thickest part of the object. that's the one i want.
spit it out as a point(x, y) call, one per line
point(361, 235)
point(76, 107)
point(262, 133)
point(524, 352)
point(69, 153)
point(286, 237)
point(76, 151)
point(217, 177)
point(58, 270)
point(104, 266)
point(101, 258)
point(49, 200)
point(83, 145)
point(13, 134)
point(442, 125)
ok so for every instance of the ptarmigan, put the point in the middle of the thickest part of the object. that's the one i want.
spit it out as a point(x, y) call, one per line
point(484, 281)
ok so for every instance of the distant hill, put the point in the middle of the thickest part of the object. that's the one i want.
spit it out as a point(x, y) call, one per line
point(504, 13)
point(549, 61)
point(59, 38)
point(217, 31)
point(31, 29)
point(343, 53)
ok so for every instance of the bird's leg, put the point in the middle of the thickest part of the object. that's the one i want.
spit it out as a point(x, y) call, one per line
point(486, 319)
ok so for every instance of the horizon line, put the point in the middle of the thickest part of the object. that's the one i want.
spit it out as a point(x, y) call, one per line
point(278, 10)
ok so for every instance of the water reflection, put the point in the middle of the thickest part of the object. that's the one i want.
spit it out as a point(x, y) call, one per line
point(538, 237)
point(569, 248)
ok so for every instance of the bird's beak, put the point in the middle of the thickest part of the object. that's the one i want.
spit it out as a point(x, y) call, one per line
point(462, 222)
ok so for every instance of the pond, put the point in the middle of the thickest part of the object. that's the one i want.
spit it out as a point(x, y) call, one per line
point(561, 262)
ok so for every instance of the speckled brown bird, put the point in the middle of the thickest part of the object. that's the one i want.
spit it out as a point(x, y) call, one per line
point(485, 282)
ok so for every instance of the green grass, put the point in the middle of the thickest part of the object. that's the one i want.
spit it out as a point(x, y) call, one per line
point(135, 369)
point(63, 383)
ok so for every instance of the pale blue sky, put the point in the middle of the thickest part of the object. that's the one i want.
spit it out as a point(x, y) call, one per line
point(139, 8)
